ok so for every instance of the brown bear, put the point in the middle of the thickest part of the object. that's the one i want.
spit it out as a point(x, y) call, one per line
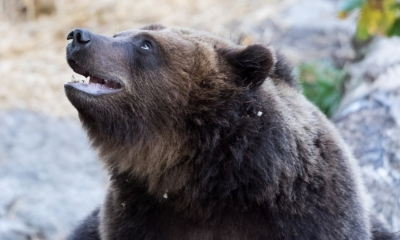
point(208, 140)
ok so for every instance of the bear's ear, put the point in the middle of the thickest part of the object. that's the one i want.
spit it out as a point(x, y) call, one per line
point(251, 65)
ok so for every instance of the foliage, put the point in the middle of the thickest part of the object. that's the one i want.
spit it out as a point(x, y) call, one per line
point(376, 17)
point(322, 84)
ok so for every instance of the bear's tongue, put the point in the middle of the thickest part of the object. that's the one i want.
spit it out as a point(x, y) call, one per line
point(106, 83)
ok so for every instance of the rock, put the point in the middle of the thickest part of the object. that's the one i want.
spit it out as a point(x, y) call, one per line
point(305, 30)
point(49, 177)
point(16, 230)
point(369, 120)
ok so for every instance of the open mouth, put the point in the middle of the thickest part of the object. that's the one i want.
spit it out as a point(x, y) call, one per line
point(95, 85)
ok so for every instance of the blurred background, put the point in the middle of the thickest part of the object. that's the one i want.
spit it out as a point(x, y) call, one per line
point(346, 54)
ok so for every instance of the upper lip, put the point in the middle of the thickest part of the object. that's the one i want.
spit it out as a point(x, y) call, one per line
point(76, 68)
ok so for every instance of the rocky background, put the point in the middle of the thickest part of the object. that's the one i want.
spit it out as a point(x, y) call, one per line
point(50, 177)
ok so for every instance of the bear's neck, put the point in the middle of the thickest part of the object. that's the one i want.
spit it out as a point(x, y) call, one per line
point(242, 154)
point(240, 157)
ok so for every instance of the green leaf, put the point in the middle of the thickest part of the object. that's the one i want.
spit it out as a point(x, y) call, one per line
point(322, 84)
point(362, 29)
point(351, 5)
point(376, 17)
point(389, 16)
point(395, 29)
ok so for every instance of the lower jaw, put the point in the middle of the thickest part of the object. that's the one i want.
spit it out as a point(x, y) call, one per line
point(93, 89)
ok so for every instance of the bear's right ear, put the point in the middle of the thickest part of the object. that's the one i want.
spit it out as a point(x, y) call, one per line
point(252, 65)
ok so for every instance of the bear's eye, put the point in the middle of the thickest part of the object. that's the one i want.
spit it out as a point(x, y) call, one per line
point(145, 45)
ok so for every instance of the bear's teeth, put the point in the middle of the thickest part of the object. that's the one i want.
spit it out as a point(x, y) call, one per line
point(259, 114)
point(73, 79)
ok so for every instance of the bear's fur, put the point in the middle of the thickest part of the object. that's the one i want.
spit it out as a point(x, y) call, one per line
point(205, 139)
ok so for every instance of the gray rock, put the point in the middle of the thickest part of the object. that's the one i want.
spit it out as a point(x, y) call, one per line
point(306, 30)
point(369, 120)
point(49, 177)
point(373, 134)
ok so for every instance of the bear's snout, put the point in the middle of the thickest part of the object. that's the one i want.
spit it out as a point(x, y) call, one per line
point(90, 55)
point(78, 48)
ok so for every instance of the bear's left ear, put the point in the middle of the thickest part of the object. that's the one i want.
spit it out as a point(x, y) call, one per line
point(252, 65)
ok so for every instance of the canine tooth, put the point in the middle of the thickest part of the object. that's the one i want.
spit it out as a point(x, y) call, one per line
point(73, 79)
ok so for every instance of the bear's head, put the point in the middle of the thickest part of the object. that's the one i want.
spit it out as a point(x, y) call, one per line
point(161, 101)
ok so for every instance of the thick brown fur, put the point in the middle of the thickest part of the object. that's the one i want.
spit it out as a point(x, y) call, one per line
point(211, 140)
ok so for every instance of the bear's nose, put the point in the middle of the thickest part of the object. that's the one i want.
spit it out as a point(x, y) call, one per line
point(79, 35)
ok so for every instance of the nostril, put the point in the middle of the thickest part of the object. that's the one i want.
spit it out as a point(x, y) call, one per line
point(70, 35)
point(79, 36)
